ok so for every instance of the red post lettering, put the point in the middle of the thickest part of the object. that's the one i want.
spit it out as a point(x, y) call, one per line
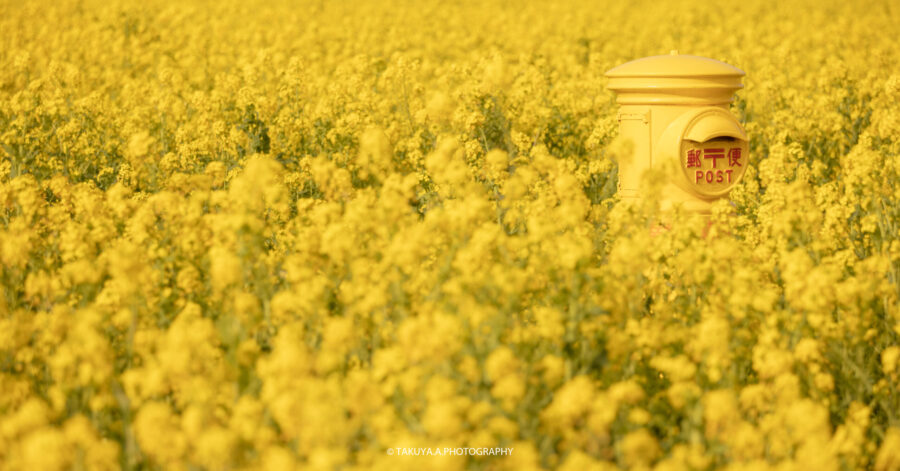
point(709, 176)
point(698, 176)
point(719, 177)
point(714, 154)
point(729, 175)
point(694, 158)
point(734, 157)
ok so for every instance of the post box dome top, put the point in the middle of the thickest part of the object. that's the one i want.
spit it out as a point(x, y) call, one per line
point(675, 65)
point(675, 79)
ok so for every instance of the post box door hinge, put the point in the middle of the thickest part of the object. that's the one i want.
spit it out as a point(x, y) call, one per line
point(644, 117)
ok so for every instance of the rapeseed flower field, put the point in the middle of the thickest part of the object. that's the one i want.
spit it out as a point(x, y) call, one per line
point(241, 235)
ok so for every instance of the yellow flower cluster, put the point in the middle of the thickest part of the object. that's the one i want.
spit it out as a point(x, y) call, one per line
point(275, 235)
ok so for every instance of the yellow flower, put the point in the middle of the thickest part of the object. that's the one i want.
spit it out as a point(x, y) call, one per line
point(889, 359)
point(720, 413)
point(888, 457)
point(639, 448)
point(158, 433)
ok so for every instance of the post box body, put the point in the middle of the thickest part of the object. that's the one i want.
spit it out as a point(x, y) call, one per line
point(675, 108)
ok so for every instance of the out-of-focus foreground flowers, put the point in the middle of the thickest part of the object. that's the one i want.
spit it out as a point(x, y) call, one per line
point(265, 235)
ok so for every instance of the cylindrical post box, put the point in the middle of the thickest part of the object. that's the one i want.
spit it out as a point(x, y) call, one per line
point(675, 107)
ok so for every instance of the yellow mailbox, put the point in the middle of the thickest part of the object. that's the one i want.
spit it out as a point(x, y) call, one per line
point(676, 107)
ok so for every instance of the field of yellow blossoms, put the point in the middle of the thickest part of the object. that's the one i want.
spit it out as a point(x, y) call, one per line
point(242, 235)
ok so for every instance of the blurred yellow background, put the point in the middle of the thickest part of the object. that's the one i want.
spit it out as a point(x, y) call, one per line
point(277, 235)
